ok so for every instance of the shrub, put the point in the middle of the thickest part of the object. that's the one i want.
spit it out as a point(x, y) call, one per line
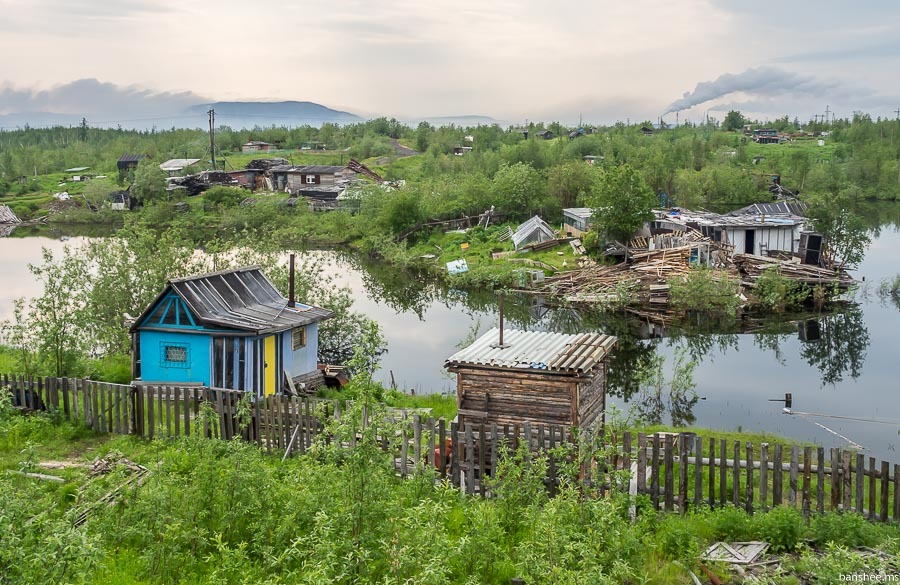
point(703, 289)
point(777, 292)
point(731, 524)
point(845, 529)
point(781, 528)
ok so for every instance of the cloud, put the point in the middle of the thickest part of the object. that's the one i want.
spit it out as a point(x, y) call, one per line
point(91, 97)
point(759, 82)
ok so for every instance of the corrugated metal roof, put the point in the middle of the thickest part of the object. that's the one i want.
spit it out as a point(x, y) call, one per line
point(177, 164)
point(578, 212)
point(528, 228)
point(797, 208)
point(309, 169)
point(536, 350)
point(129, 158)
point(242, 299)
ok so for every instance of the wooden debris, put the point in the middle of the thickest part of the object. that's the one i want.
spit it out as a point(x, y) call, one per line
point(736, 553)
point(752, 267)
point(7, 215)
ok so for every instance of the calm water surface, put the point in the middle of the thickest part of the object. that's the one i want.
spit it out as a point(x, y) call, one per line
point(844, 364)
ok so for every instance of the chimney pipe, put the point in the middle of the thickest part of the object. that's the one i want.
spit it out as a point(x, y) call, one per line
point(291, 301)
point(501, 320)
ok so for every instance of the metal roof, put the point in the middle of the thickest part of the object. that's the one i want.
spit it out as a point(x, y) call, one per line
point(309, 169)
point(129, 158)
point(76, 169)
point(535, 224)
point(177, 164)
point(797, 208)
point(536, 350)
point(751, 219)
point(578, 212)
point(242, 299)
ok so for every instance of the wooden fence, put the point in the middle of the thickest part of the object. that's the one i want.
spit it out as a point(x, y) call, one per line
point(674, 471)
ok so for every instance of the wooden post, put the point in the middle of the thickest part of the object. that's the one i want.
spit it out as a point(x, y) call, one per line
point(885, 489)
point(654, 472)
point(873, 484)
point(642, 464)
point(859, 469)
point(470, 461)
point(846, 481)
point(712, 472)
point(736, 475)
point(723, 472)
point(698, 471)
point(454, 453)
point(442, 439)
point(764, 476)
point(670, 476)
point(494, 447)
point(777, 461)
point(792, 493)
point(404, 446)
point(820, 473)
point(807, 473)
point(417, 441)
point(835, 479)
point(749, 503)
point(683, 450)
point(481, 460)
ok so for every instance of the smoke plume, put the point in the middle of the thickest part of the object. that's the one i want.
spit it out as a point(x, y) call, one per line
point(758, 81)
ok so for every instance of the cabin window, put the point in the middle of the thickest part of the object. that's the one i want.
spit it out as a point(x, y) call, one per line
point(298, 338)
point(311, 179)
point(228, 358)
point(175, 355)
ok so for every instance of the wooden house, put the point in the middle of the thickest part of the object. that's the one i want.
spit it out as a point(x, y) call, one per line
point(577, 220)
point(230, 329)
point(532, 376)
point(128, 162)
point(316, 181)
point(257, 146)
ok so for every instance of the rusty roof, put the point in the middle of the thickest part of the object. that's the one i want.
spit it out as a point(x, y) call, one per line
point(536, 350)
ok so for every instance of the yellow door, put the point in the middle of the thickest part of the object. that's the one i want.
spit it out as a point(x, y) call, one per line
point(269, 375)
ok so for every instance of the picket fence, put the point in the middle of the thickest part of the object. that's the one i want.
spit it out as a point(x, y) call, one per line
point(674, 471)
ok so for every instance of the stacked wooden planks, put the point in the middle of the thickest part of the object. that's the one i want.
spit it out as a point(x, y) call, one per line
point(751, 267)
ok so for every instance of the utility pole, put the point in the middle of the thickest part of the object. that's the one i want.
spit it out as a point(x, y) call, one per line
point(827, 109)
point(212, 136)
point(897, 111)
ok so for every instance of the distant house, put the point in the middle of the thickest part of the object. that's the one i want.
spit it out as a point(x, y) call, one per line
point(128, 162)
point(545, 134)
point(230, 329)
point(313, 146)
point(461, 150)
point(513, 377)
point(646, 131)
point(577, 220)
point(257, 146)
point(317, 181)
point(592, 159)
point(77, 174)
point(533, 231)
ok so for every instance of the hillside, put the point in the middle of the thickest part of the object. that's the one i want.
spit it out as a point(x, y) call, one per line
point(289, 113)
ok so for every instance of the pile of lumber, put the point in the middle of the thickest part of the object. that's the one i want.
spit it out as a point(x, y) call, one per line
point(7, 215)
point(645, 278)
point(751, 267)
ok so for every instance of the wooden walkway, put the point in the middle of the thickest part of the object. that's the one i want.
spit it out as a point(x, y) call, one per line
point(676, 472)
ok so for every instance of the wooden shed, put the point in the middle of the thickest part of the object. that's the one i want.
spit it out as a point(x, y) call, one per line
point(533, 376)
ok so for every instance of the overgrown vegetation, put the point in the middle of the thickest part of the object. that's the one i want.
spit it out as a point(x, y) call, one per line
point(223, 512)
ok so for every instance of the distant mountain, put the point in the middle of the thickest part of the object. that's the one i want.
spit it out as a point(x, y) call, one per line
point(464, 120)
point(291, 113)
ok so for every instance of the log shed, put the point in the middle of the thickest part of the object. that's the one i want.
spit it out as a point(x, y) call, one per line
point(514, 377)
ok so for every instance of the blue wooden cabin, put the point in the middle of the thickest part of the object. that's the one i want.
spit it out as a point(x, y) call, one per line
point(228, 329)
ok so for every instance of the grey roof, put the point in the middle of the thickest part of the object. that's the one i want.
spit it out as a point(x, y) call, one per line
point(533, 226)
point(310, 169)
point(578, 212)
point(131, 158)
point(776, 207)
point(76, 169)
point(242, 299)
point(682, 217)
point(177, 164)
point(536, 350)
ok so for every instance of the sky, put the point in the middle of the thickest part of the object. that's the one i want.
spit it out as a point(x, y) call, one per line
point(601, 60)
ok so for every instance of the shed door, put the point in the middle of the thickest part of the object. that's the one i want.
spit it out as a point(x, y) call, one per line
point(750, 242)
point(270, 367)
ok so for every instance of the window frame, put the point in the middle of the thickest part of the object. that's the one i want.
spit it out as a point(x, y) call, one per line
point(165, 346)
point(295, 346)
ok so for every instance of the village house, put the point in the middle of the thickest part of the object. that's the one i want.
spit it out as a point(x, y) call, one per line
point(229, 329)
point(257, 146)
point(175, 166)
point(316, 181)
point(513, 377)
point(461, 150)
point(128, 162)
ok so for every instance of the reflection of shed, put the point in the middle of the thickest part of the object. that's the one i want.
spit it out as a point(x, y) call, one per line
point(534, 376)
point(533, 231)
point(577, 220)
point(229, 329)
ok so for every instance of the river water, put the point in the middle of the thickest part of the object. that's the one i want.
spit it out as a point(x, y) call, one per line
point(843, 364)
